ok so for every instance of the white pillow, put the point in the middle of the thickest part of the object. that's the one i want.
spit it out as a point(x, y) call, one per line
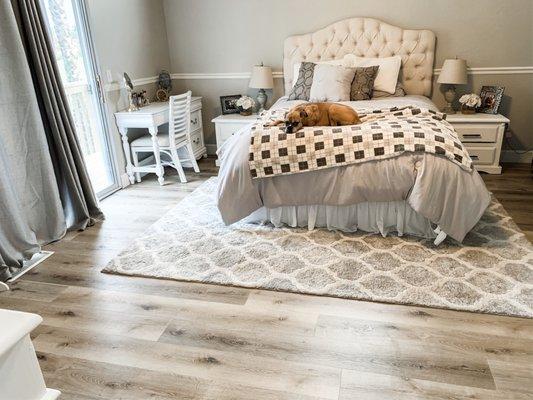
point(331, 83)
point(296, 67)
point(389, 69)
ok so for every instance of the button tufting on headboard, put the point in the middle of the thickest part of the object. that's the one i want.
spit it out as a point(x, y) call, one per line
point(367, 37)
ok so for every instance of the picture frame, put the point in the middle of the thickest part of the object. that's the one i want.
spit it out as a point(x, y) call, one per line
point(491, 97)
point(227, 103)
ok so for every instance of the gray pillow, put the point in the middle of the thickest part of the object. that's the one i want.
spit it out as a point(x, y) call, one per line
point(363, 83)
point(399, 92)
point(302, 87)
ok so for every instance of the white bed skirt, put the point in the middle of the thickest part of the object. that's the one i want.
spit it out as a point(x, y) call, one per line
point(383, 217)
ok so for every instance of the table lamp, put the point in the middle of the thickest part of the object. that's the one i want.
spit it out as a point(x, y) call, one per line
point(261, 79)
point(453, 73)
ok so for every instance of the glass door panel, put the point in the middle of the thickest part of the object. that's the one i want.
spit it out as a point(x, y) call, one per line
point(66, 21)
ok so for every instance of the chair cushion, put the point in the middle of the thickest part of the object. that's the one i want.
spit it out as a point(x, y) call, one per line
point(146, 140)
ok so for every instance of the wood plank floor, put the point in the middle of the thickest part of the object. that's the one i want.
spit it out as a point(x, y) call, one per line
point(115, 337)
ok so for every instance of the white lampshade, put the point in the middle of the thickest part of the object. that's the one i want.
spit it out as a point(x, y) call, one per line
point(453, 72)
point(261, 77)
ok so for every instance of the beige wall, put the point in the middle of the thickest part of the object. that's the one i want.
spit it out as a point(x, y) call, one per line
point(232, 35)
point(129, 36)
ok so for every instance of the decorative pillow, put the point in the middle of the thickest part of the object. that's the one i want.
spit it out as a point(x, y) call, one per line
point(331, 83)
point(302, 87)
point(363, 83)
point(296, 68)
point(400, 92)
point(389, 69)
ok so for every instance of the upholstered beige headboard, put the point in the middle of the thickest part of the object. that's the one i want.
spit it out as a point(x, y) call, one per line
point(366, 37)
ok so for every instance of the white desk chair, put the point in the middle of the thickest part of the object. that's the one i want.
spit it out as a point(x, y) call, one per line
point(178, 136)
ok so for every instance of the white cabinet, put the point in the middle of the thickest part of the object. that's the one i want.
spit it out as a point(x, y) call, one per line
point(482, 135)
point(227, 125)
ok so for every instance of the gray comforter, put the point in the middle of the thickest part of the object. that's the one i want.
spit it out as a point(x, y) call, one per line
point(433, 186)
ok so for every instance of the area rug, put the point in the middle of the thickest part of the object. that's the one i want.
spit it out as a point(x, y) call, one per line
point(491, 271)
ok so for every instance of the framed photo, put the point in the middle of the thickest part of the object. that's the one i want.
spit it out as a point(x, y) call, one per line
point(227, 103)
point(491, 97)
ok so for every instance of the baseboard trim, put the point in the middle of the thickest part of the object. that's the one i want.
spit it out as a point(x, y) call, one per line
point(513, 157)
point(124, 180)
point(211, 149)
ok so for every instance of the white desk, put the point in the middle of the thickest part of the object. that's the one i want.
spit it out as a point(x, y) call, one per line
point(151, 117)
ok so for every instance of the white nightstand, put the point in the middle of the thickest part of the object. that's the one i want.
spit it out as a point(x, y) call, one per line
point(482, 135)
point(227, 125)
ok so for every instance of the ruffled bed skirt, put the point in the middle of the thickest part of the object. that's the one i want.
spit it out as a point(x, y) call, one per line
point(383, 217)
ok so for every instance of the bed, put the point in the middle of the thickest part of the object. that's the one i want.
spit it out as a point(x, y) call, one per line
point(413, 193)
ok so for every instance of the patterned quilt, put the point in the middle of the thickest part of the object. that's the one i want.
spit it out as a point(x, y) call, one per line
point(383, 133)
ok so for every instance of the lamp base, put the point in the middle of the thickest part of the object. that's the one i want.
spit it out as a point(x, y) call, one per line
point(449, 109)
point(261, 100)
point(449, 95)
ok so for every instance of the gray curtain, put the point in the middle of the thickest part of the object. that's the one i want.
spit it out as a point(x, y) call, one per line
point(44, 186)
point(77, 196)
point(31, 213)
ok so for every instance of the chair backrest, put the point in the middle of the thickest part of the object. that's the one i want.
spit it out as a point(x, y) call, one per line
point(179, 121)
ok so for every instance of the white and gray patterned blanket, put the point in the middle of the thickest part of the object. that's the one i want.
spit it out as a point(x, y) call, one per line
point(383, 133)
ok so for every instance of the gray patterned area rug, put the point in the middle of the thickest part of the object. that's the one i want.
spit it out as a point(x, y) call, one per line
point(491, 271)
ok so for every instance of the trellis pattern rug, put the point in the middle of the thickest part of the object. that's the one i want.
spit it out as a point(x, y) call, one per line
point(491, 271)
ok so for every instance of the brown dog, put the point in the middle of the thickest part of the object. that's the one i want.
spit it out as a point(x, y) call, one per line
point(317, 114)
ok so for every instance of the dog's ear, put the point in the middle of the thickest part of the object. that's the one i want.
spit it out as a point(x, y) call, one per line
point(311, 111)
point(303, 113)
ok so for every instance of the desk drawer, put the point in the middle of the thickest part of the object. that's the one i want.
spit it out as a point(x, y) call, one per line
point(481, 133)
point(482, 155)
point(196, 141)
point(196, 120)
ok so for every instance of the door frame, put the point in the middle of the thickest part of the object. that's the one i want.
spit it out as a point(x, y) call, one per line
point(82, 13)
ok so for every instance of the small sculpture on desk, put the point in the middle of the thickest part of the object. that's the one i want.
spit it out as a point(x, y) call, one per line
point(164, 86)
point(132, 96)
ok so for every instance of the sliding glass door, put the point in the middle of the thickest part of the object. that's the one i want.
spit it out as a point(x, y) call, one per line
point(70, 35)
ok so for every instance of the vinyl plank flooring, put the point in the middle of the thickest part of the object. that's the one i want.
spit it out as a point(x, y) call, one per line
point(513, 376)
point(386, 356)
point(106, 336)
point(421, 317)
point(371, 386)
point(350, 330)
point(109, 381)
point(219, 366)
point(92, 320)
point(285, 321)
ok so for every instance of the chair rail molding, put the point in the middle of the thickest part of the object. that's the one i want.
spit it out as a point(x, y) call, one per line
point(111, 86)
point(279, 74)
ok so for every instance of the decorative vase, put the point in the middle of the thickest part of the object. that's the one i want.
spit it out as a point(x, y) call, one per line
point(467, 110)
point(246, 112)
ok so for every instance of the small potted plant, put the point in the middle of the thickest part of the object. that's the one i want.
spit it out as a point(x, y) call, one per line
point(246, 105)
point(469, 103)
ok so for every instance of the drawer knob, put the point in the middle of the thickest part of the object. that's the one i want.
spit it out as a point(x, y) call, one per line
point(471, 135)
point(474, 157)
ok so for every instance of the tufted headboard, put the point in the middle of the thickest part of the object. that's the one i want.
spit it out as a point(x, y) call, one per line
point(366, 37)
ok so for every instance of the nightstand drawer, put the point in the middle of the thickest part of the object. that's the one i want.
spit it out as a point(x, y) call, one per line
point(485, 133)
point(224, 131)
point(481, 155)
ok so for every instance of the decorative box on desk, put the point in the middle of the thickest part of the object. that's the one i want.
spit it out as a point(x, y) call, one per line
point(227, 125)
point(482, 135)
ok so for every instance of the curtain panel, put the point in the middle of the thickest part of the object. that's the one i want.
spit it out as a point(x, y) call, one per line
point(44, 185)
